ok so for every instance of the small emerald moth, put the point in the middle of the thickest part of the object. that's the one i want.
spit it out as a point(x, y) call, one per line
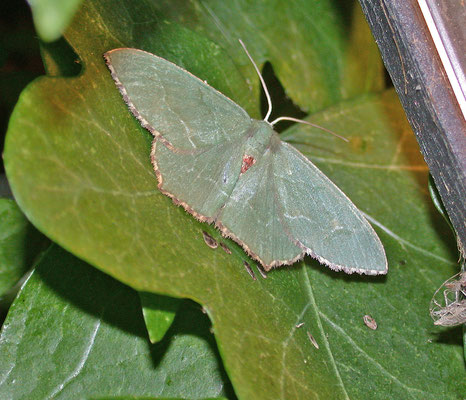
point(233, 171)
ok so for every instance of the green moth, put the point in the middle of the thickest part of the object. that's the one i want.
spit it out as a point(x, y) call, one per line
point(233, 171)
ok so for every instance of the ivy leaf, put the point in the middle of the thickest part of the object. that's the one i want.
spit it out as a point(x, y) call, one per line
point(51, 17)
point(82, 335)
point(20, 244)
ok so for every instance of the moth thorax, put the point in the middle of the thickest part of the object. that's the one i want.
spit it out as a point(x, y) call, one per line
point(260, 138)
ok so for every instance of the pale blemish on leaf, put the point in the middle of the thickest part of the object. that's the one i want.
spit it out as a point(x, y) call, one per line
point(370, 322)
point(312, 340)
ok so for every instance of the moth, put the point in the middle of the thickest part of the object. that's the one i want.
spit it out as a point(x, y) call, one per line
point(228, 169)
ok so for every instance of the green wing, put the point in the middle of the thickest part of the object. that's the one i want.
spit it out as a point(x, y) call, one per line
point(199, 132)
point(173, 104)
point(253, 216)
point(323, 221)
point(201, 180)
point(283, 207)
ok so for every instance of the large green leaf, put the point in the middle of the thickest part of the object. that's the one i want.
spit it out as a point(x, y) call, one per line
point(83, 336)
point(20, 244)
point(79, 166)
point(51, 17)
point(322, 51)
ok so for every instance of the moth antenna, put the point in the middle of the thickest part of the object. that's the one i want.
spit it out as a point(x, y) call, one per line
point(269, 101)
point(267, 95)
point(308, 123)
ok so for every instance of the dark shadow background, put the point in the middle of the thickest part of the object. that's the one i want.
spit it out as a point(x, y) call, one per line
point(20, 60)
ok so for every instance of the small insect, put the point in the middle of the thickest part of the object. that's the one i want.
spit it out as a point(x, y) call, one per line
point(448, 305)
point(225, 168)
point(370, 322)
point(313, 341)
point(209, 240)
point(300, 325)
point(250, 271)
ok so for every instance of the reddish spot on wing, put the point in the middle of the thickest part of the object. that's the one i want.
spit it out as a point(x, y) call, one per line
point(248, 162)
